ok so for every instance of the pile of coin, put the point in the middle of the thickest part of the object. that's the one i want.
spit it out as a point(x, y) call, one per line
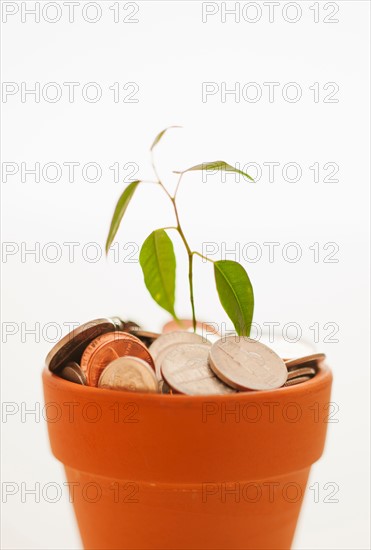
point(113, 354)
point(303, 368)
point(106, 353)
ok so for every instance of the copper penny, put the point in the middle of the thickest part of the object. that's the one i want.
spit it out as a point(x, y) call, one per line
point(108, 347)
point(71, 346)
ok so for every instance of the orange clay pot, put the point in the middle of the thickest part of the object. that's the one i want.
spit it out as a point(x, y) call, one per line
point(180, 472)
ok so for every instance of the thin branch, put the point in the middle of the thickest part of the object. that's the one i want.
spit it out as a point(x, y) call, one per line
point(158, 178)
point(170, 227)
point(203, 257)
point(177, 185)
point(182, 236)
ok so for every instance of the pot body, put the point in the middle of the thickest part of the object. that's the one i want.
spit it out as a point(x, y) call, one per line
point(180, 472)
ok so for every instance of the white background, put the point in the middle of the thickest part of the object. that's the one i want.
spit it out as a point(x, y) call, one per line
point(169, 53)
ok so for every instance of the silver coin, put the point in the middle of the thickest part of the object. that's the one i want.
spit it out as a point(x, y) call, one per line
point(297, 380)
point(305, 361)
point(73, 373)
point(130, 374)
point(170, 339)
point(247, 364)
point(304, 371)
point(186, 370)
point(71, 346)
point(161, 356)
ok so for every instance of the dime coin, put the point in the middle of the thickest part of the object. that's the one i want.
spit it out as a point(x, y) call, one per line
point(244, 363)
point(158, 348)
point(297, 380)
point(108, 347)
point(73, 373)
point(301, 361)
point(186, 370)
point(130, 374)
point(71, 346)
point(305, 371)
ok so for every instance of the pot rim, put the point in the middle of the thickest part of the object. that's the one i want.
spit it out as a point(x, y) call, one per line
point(322, 378)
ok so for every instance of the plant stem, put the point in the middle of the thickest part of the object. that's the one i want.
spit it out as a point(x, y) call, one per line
point(182, 236)
point(203, 257)
point(177, 185)
point(190, 263)
point(190, 278)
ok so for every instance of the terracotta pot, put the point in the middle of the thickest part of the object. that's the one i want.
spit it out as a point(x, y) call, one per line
point(181, 472)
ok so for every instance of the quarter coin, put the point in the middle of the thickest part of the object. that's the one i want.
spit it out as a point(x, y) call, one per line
point(108, 347)
point(130, 374)
point(186, 370)
point(159, 350)
point(247, 364)
point(71, 346)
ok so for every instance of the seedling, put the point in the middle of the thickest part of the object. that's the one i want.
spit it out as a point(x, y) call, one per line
point(158, 263)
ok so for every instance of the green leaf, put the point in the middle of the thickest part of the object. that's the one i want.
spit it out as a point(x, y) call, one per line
point(216, 165)
point(158, 263)
point(120, 209)
point(235, 293)
point(159, 136)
